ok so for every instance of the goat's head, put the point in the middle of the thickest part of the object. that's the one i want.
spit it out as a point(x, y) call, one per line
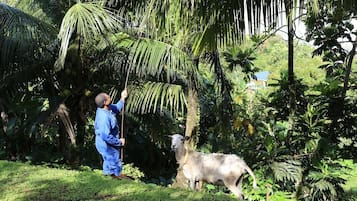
point(176, 141)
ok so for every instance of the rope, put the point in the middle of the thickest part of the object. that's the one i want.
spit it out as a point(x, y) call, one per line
point(122, 117)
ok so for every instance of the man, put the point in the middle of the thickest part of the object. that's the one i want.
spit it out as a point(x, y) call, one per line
point(106, 127)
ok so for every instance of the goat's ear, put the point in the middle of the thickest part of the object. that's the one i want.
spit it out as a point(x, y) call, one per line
point(169, 136)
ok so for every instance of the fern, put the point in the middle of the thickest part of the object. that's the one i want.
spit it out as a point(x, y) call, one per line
point(325, 181)
point(323, 188)
point(289, 170)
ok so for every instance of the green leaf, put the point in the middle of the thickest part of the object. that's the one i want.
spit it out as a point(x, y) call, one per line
point(153, 58)
point(289, 170)
point(153, 96)
point(86, 20)
point(21, 33)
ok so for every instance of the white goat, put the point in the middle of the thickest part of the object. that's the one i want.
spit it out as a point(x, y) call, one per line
point(222, 169)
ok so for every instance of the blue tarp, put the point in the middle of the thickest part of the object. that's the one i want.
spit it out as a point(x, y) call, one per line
point(262, 75)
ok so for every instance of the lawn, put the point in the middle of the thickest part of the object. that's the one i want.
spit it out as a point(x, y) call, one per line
point(28, 182)
point(21, 181)
point(351, 184)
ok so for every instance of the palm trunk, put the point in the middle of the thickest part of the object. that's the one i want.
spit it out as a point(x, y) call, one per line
point(348, 70)
point(192, 119)
point(191, 123)
point(9, 143)
point(292, 90)
point(192, 110)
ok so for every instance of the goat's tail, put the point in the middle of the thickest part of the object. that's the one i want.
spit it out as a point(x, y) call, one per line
point(250, 172)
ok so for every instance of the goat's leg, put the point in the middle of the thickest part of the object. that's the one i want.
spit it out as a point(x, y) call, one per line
point(232, 185)
point(239, 182)
point(239, 185)
point(192, 184)
point(236, 191)
point(199, 185)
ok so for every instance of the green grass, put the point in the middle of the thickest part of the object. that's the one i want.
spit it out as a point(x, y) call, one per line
point(20, 181)
point(351, 184)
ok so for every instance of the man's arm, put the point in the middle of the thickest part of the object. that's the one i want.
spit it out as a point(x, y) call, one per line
point(103, 128)
point(116, 108)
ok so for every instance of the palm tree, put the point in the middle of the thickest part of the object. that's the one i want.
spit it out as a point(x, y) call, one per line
point(209, 25)
point(26, 54)
point(83, 24)
point(164, 43)
point(193, 29)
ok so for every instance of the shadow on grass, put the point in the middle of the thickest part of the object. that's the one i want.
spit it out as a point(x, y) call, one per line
point(352, 193)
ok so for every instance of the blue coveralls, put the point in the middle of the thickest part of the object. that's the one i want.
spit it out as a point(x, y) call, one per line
point(107, 139)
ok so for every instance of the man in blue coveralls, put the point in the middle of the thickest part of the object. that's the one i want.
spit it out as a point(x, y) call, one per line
point(106, 127)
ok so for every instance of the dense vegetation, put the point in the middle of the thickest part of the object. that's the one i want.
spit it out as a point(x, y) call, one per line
point(187, 72)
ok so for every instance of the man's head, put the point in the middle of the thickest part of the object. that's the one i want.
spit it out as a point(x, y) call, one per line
point(102, 100)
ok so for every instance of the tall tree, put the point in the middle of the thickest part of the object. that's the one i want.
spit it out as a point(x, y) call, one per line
point(331, 30)
point(292, 91)
point(83, 24)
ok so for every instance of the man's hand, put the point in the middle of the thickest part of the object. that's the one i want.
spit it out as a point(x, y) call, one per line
point(124, 94)
point(122, 141)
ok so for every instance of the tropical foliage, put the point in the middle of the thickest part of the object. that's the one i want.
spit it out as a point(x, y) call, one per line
point(187, 65)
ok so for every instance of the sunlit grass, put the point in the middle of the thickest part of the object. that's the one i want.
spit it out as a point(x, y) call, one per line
point(351, 184)
point(28, 182)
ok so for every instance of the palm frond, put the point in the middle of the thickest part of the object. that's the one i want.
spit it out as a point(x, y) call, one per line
point(48, 11)
point(21, 33)
point(153, 97)
point(227, 21)
point(153, 58)
point(86, 20)
point(204, 41)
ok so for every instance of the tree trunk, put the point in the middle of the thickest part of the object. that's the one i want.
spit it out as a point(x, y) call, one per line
point(180, 180)
point(80, 118)
point(62, 141)
point(192, 120)
point(192, 110)
point(292, 90)
point(348, 70)
point(191, 123)
point(9, 143)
